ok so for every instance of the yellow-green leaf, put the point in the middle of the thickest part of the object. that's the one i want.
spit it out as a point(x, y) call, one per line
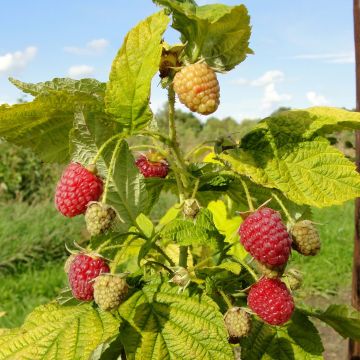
point(54, 332)
point(128, 91)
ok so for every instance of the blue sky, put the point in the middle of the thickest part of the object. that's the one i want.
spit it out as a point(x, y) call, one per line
point(303, 50)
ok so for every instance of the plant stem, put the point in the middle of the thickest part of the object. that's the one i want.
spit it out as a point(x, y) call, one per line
point(162, 252)
point(247, 194)
point(183, 256)
point(226, 299)
point(110, 171)
point(182, 180)
point(138, 147)
point(284, 209)
point(103, 146)
point(174, 145)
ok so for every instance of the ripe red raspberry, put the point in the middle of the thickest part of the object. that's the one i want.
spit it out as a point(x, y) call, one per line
point(265, 237)
point(83, 269)
point(198, 88)
point(271, 300)
point(152, 166)
point(76, 188)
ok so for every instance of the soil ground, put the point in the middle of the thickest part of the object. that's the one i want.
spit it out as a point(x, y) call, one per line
point(335, 346)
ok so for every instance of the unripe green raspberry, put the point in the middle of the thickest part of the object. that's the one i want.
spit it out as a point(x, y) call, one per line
point(237, 322)
point(191, 208)
point(198, 88)
point(306, 239)
point(293, 279)
point(109, 291)
point(271, 272)
point(99, 218)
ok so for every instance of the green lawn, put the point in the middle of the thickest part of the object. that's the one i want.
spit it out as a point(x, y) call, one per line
point(32, 255)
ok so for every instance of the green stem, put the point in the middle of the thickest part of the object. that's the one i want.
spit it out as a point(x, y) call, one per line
point(139, 147)
point(162, 252)
point(183, 256)
point(174, 145)
point(226, 299)
point(284, 209)
point(247, 194)
point(104, 145)
point(110, 171)
point(195, 188)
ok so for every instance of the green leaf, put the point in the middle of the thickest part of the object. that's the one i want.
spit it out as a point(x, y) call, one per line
point(311, 122)
point(59, 333)
point(307, 172)
point(200, 232)
point(162, 324)
point(343, 319)
point(91, 130)
point(128, 91)
point(146, 225)
point(286, 152)
point(218, 33)
point(87, 86)
point(43, 125)
point(298, 340)
point(128, 193)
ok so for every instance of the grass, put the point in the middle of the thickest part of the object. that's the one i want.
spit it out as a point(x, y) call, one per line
point(32, 255)
point(331, 269)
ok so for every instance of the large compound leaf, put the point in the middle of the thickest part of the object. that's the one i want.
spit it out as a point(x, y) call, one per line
point(286, 152)
point(298, 340)
point(128, 91)
point(162, 324)
point(44, 124)
point(341, 318)
point(218, 33)
point(127, 194)
point(54, 332)
point(87, 86)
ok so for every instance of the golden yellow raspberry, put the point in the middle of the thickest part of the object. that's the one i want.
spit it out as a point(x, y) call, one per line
point(306, 239)
point(198, 88)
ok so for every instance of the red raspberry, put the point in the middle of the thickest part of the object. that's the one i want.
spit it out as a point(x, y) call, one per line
point(76, 188)
point(152, 168)
point(265, 237)
point(83, 269)
point(271, 300)
point(198, 88)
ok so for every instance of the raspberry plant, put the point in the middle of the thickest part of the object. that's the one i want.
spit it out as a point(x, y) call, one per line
point(180, 276)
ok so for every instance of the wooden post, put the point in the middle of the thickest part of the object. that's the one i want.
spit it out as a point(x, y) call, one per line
point(354, 347)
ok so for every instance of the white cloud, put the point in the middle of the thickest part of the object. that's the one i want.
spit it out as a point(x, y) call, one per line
point(17, 60)
point(316, 99)
point(268, 78)
point(335, 58)
point(80, 71)
point(271, 96)
point(93, 47)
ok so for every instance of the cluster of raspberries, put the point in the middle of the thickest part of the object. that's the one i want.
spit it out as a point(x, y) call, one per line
point(265, 236)
point(78, 192)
